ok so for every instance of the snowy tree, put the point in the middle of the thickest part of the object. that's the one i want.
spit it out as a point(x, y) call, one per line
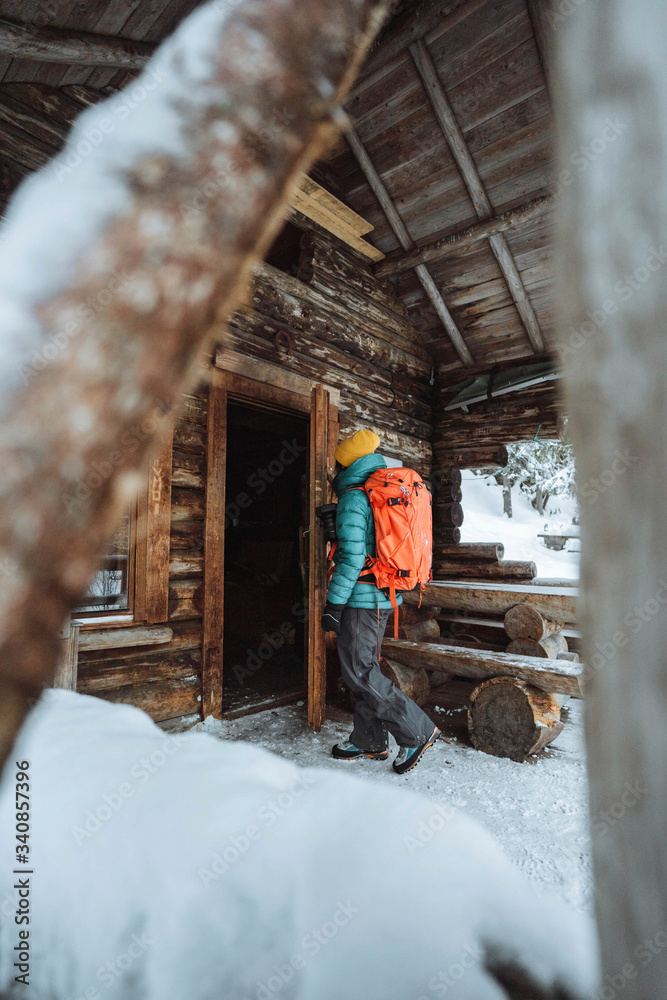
point(541, 469)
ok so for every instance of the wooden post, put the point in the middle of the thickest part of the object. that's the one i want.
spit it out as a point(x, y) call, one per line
point(158, 522)
point(319, 452)
point(612, 306)
point(64, 675)
point(214, 549)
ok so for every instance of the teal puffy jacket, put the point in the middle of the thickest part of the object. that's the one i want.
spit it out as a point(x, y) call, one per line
point(355, 531)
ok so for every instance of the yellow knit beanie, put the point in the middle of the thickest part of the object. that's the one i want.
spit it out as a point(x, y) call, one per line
point(362, 443)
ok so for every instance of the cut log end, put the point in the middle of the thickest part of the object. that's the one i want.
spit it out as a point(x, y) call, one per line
point(525, 622)
point(508, 718)
point(548, 648)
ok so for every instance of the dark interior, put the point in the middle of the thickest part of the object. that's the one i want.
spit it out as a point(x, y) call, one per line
point(265, 555)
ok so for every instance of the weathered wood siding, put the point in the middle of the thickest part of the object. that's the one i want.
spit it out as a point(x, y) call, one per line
point(336, 323)
point(165, 679)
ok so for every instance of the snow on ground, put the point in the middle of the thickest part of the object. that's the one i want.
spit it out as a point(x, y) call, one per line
point(537, 810)
point(191, 868)
point(484, 521)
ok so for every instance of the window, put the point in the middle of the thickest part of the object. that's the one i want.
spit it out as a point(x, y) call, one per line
point(132, 584)
point(112, 589)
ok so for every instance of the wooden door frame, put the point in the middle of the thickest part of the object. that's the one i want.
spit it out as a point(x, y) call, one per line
point(320, 404)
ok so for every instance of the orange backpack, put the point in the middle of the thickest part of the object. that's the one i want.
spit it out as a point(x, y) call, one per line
point(401, 507)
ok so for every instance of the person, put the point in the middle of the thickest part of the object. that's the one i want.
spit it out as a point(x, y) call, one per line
point(357, 611)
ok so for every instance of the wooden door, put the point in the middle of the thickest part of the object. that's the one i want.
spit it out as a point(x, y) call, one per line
point(323, 412)
point(318, 493)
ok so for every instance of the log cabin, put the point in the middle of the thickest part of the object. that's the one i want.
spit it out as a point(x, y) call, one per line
point(409, 291)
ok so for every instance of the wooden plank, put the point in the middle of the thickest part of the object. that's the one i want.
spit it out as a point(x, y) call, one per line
point(158, 517)
point(138, 671)
point(319, 453)
point(214, 549)
point(73, 48)
point(328, 220)
point(460, 241)
point(554, 676)
point(163, 700)
point(447, 121)
point(497, 598)
point(65, 674)
point(268, 374)
point(543, 30)
point(329, 201)
point(406, 242)
point(123, 638)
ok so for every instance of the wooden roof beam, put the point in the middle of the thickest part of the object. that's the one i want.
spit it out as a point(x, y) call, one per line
point(73, 48)
point(539, 15)
point(458, 242)
point(404, 238)
point(447, 121)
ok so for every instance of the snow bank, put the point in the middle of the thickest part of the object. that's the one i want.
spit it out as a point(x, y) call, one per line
point(186, 867)
point(484, 521)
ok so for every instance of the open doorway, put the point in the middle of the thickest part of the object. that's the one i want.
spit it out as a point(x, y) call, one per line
point(266, 555)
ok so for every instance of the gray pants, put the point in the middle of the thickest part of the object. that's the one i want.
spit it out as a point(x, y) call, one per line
point(380, 705)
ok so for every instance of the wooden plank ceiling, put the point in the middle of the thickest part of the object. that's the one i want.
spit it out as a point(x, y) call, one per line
point(453, 112)
point(452, 127)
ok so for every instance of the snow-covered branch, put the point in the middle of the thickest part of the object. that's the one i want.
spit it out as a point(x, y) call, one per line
point(114, 261)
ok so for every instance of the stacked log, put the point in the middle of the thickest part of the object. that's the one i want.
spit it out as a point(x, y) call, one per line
point(533, 634)
point(477, 438)
point(416, 624)
point(463, 561)
point(552, 676)
point(515, 711)
point(447, 509)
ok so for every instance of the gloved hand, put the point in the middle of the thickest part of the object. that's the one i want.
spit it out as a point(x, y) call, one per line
point(331, 617)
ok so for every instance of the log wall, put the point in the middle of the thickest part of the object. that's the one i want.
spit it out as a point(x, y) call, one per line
point(335, 322)
point(165, 679)
point(477, 439)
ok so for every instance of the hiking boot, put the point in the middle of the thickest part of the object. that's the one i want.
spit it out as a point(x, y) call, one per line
point(409, 757)
point(348, 751)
